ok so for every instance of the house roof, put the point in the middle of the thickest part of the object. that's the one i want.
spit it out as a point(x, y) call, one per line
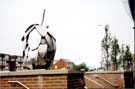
point(66, 60)
point(55, 61)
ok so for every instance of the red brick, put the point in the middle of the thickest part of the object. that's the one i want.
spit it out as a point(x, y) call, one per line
point(30, 85)
point(65, 81)
point(32, 82)
point(46, 86)
point(54, 85)
point(36, 85)
point(35, 79)
point(50, 82)
point(58, 81)
point(45, 78)
point(54, 78)
point(49, 88)
point(29, 79)
point(62, 78)
point(21, 79)
point(62, 84)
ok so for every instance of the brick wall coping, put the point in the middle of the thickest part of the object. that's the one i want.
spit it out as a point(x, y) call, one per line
point(39, 72)
point(108, 72)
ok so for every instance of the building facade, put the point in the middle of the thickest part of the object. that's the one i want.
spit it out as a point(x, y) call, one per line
point(15, 63)
point(11, 62)
point(62, 64)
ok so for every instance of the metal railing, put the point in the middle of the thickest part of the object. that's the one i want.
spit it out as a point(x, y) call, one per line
point(94, 82)
point(96, 76)
point(19, 83)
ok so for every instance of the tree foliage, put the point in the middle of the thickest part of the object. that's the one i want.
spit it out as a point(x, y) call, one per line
point(81, 66)
point(121, 57)
point(114, 53)
point(127, 58)
point(105, 45)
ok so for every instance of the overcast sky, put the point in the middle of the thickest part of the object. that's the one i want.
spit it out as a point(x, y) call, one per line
point(73, 22)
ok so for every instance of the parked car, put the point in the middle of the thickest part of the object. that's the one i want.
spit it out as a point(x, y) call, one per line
point(92, 68)
point(100, 69)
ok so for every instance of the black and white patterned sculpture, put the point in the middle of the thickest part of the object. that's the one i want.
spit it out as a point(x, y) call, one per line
point(39, 47)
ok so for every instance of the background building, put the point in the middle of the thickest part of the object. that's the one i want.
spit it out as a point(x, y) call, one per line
point(4, 62)
point(11, 62)
point(15, 63)
point(62, 64)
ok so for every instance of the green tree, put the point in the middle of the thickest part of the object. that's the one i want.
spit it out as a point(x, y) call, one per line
point(81, 66)
point(121, 60)
point(114, 53)
point(127, 57)
point(105, 45)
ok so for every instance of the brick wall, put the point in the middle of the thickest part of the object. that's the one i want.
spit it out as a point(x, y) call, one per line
point(76, 81)
point(119, 79)
point(43, 79)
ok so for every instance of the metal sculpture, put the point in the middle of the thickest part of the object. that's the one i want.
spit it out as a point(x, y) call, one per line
point(39, 46)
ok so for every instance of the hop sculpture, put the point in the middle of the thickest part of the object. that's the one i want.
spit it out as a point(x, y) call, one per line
point(39, 46)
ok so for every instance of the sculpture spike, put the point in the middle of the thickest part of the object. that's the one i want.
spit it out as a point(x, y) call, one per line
point(43, 17)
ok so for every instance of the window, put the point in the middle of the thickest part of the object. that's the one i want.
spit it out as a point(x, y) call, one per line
point(2, 67)
point(7, 57)
point(62, 65)
point(7, 61)
point(0, 61)
point(20, 62)
point(18, 67)
point(6, 67)
point(55, 67)
point(18, 58)
point(4, 61)
point(68, 66)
